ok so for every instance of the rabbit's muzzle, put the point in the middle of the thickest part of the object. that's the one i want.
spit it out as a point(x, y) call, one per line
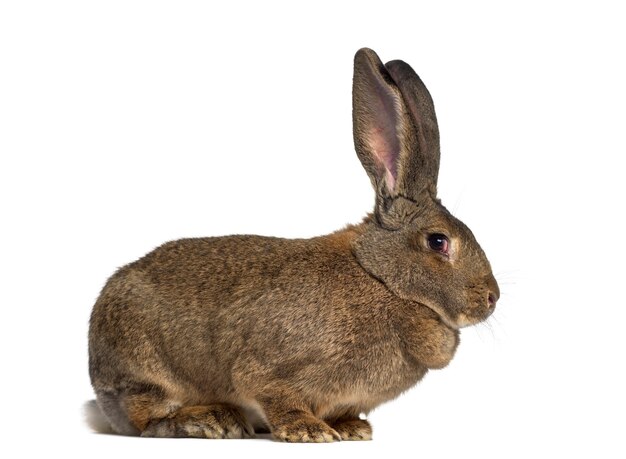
point(482, 299)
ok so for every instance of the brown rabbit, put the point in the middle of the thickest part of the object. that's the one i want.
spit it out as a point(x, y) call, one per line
point(215, 337)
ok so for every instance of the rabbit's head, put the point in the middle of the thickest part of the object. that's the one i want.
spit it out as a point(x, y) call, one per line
point(412, 243)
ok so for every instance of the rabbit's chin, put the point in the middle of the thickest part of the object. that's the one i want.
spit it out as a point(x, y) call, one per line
point(462, 320)
point(445, 318)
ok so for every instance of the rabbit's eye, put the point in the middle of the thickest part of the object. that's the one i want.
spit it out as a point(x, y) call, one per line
point(439, 243)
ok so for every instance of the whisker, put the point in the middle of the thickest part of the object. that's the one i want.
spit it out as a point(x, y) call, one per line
point(505, 276)
point(507, 295)
point(494, 325)
point(484, 325)
point(459, 200)
point(509, 271)
point(508, 274)
point(497, 322)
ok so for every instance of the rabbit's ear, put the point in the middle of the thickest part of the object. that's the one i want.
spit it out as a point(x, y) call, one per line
point(379, 121)
point(421, 168)
point(395, 129)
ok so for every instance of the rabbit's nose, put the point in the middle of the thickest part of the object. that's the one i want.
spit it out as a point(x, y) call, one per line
point(494, 291)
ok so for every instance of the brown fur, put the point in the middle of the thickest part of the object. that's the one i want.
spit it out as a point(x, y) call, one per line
point(211, 337)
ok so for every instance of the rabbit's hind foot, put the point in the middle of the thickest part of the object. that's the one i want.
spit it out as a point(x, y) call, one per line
point(211, 421)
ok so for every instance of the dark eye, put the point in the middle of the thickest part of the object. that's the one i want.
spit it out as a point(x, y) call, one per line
point(439, 243)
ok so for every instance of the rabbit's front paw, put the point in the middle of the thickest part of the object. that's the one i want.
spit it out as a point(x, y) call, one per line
point(305, 429)
point(353, 429)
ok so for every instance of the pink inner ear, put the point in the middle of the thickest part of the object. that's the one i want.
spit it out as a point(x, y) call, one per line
point(381, 140)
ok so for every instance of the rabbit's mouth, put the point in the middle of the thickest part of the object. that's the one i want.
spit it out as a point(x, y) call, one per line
point(481, 298)
point(443, 315)
point(472, 315)
point(479, 310)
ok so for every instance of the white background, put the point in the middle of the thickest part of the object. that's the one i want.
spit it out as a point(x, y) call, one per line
point(124, 124)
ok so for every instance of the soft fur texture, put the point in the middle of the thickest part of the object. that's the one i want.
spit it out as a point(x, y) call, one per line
point(217, 337)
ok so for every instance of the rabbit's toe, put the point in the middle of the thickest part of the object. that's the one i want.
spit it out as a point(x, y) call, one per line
point(215, 421)
point(354, 429)
point(306, 430)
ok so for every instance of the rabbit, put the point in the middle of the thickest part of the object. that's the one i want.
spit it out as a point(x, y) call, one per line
point(222, 337)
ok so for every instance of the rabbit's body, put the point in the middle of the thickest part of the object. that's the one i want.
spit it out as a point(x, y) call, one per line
point(205, 328)
point(214, 337)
